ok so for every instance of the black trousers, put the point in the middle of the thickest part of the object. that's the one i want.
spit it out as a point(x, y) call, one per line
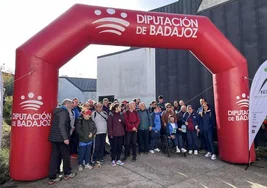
point(131, 138)
point(100, 142)
point(63, 150)
point(143, 140)
point(74, 143)
point(116, 147)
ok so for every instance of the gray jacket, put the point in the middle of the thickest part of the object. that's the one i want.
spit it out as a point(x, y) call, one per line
point(100, 119)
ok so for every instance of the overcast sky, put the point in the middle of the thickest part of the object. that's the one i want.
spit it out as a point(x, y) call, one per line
point(21, 19)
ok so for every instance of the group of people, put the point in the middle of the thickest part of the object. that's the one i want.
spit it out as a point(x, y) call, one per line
point(81, 132)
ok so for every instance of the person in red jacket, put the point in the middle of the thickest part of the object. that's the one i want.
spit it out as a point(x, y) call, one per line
point(132, 121)
point(116, 132)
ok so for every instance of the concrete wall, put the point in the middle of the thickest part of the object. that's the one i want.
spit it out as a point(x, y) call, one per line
point(205, 4)
point(68, 90)
point(127, 75)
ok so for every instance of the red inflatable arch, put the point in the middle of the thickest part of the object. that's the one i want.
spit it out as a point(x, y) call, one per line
point(39, 59)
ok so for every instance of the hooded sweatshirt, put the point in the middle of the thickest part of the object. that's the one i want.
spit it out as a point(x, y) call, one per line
point(100, 119)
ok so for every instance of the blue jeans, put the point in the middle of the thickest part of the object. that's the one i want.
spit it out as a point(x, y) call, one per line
point(84, 154)
point(154, 140)
point(192, 140)
point(179, 138)
point(209, 141)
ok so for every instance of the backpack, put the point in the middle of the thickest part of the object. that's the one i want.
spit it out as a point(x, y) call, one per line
point(100, 115)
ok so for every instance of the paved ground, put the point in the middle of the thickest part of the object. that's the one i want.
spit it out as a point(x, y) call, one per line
point(157, 170)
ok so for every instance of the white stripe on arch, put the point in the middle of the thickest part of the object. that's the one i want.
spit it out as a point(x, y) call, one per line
point(114, 26)
point(116, 20)
point(111, 31)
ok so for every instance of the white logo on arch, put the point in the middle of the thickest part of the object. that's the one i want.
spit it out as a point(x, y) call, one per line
point(111, 24)
point(31, 102)
point(243, 100)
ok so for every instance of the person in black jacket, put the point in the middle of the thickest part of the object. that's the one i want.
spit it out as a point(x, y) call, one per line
point(59, 137)
point(86, 129)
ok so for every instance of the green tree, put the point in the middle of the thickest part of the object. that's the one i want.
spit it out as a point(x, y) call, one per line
point(7, 112)
point(8, 81)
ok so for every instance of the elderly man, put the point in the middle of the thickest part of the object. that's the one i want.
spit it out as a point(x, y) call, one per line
point(59, 137)
point(100, 118)
point(106, 105)
point(91, 105)
point(143, 129)
point(132, 121)
point(74, 139)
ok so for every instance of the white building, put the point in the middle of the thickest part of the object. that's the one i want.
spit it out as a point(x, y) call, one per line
point(82, 88)
point(127, 75)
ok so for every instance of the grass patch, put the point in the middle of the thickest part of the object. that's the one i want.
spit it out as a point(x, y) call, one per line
point(4, 153)
point(4, 165)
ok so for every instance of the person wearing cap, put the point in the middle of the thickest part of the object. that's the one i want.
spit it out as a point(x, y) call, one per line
point(59, 137)
point(123, 105)
point(152, 107)
point(161, 103)
point(86, 129)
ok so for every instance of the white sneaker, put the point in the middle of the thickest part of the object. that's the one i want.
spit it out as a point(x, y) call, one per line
point(80, 168)
point(152, 151)
point(208, 155)
point(178, 150)
point(195, 152)
point(213, 157)
point(157, 150)
point(184, 150)
point(190, 152)
point(88, 166)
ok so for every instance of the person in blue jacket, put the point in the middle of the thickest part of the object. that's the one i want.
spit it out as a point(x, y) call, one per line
point(206, 126)
point(191, 120)
point(155, 129)
point(172, 133)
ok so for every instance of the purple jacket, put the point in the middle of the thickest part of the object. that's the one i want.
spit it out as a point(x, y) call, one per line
point(116, 124)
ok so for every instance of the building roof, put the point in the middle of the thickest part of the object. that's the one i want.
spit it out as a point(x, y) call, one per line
point(83, 84)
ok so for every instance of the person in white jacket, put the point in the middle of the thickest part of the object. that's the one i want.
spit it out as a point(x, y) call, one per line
point(100, 118)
